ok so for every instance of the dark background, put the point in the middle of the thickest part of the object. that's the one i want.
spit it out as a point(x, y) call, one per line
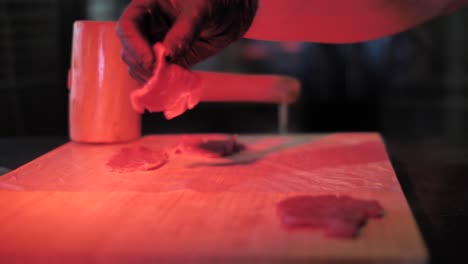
point(411, 87)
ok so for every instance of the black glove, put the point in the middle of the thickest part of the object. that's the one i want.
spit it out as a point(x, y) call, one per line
point(191, 30)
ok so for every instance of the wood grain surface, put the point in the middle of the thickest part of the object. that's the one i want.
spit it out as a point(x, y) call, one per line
point(67, 206)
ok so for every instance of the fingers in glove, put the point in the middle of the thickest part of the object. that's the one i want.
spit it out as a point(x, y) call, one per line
point(186, 27)
point(208, 27)
point(141, 81)
point(142, 73)
point(200, 50)
point(134, 43)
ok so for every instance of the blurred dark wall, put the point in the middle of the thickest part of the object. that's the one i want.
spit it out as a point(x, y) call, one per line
point(402, 84)
point(35, 39)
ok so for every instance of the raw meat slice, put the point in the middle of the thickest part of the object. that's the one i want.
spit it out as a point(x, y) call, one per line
point(131, 159)
point(172, 89)
point(213, 147)
point(339, 216)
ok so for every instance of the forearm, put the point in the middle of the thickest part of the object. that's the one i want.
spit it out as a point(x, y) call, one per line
point(338, 21)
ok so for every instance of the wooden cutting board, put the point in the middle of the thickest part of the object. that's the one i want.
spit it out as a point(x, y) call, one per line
point(67, 206)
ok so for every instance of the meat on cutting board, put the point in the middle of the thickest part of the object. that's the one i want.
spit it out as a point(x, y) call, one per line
point(213, 146)
point(131, 159)
point(338, 216)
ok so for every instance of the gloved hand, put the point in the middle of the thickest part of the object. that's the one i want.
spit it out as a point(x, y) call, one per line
point(191, 30)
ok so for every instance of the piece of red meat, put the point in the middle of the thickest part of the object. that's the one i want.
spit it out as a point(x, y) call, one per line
point(131, 159)
point(339, 216)
point(172, 89)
